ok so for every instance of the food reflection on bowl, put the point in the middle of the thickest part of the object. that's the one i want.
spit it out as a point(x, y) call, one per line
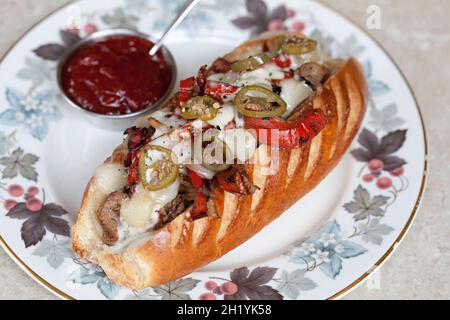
point(110, 77)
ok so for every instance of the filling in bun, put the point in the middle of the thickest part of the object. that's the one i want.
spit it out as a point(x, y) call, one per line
point(178, 159)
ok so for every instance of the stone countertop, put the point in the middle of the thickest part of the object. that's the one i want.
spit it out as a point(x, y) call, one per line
point(417, 35)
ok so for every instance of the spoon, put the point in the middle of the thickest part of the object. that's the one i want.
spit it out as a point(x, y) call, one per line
point(185, 10)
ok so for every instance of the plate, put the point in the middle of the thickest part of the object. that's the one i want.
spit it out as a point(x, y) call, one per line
point(321, 248)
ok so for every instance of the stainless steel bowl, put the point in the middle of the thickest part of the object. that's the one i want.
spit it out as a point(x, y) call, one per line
point(114, 122)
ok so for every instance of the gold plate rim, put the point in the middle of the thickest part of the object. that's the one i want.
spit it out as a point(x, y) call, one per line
point(418, 203)
point(337, 295)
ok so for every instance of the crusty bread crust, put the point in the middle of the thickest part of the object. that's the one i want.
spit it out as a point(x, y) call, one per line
point(182, 247)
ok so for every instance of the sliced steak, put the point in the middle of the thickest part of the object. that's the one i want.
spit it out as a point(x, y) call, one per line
point(185, 198)
point(221, 65)
point(315, 74)
point(108, 215)
point(249, 187)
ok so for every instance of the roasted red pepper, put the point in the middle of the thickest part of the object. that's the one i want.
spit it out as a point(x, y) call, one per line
point(280, 133)
point(287, 75)
point(192, 86)
point(227, 181)
point(282, 60)
point(201, 79)
point(236, 180)
point(200, 208)
point(133, 175)
point(196, 180)
point(186, 89)
point(137, 138)
point(218, 90)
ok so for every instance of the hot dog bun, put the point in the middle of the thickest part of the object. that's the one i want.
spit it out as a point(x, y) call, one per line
point(182, 247)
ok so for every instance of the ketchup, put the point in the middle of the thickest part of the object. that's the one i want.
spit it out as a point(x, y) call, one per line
point(116, 76)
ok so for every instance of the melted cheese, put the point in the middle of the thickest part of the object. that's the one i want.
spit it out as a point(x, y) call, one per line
point(241, 143)
point(139, 211)
point(225, 116)
point(164, 196)
point(293, 93)
point(261, 76)
point(230, 77)
point(110, 177)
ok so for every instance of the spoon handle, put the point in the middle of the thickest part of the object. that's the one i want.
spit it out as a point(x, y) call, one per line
point(185, 10)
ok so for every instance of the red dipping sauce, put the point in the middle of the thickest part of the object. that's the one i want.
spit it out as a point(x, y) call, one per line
point(116, 76)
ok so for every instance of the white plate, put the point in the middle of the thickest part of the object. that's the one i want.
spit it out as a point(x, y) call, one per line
point(321, 248)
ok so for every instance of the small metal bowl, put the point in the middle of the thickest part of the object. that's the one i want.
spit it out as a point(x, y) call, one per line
point(114, 122)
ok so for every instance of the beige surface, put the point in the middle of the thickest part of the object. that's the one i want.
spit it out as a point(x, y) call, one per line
point(417, 34)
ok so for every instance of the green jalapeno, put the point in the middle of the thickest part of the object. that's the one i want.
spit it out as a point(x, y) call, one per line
point(216, 162)
point(262, 104)
point(250, 63)
point(202, 107)
point(296, 45)
point(157, 170)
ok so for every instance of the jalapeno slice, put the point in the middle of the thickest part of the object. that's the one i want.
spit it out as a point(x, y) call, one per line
point(250, 63)
point(202, 107)
point(157, 170)
point(262, 104)
point(297, 45)
point(216, 162)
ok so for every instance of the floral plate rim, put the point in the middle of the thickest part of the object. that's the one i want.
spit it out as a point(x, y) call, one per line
point(391, 249)
point(423, 185)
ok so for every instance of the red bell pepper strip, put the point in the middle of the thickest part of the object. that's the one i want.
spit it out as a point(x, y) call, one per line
point(201, 78)
point(196, 180)
point(227, 181)
point(200, 208)
point(280, 133)
point(282, 60)
point(186, 89)
point(289, 74)
point(271, 123)
point(218, 90)
point(133, 175)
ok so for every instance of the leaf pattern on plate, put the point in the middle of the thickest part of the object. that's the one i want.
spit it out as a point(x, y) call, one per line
point(7, 142)
point(176, 290)
point(32, 111)
point(51, 51)
point(292, 283)
point(38, 222)
point(374, 231)
point(35, 70)
point(374, 148)
point(168, 11)
point(259, 17)
point(386, 119)
point(94, 275)
point(376, 87)
point(349, 47)
point(120, 19)
point(138, 6)
point(21, 163)
point(363, 205)
point(54, 51)
point(325, 250)
point(55, 251)
point(253, 285)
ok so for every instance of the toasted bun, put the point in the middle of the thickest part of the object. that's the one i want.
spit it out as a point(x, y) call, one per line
point(182, 247)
